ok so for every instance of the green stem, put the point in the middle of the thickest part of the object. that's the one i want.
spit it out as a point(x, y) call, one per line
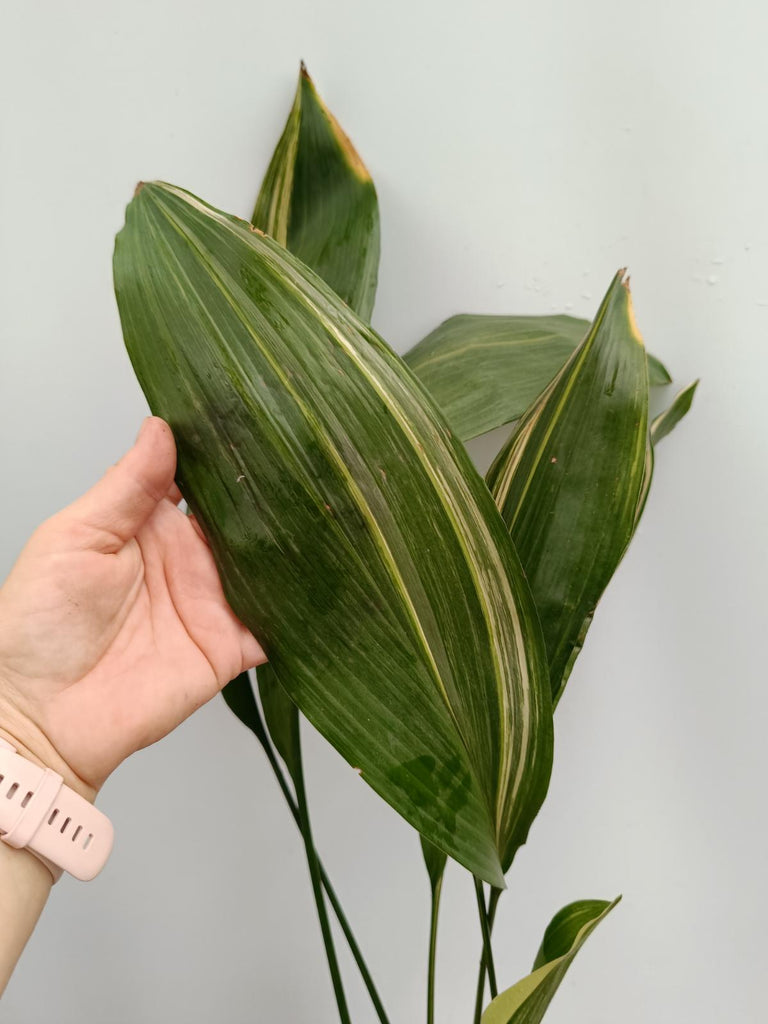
point(365, 974)
point(317, 889)
point(436, 891)
point(493, 903)
point(333, 899)
point(484, 928)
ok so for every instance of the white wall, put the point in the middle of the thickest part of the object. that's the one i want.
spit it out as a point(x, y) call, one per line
point(522, 153)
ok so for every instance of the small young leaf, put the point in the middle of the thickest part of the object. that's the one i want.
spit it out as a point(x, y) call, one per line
point(239, 698)
point(663, 425)
point(569, 479)
point(527, 1001)
point(435, 861)
point(281, 717)
point(666, 421)
point(485, 371)
point(351, 531)
point(318, 200)
point(658, 374)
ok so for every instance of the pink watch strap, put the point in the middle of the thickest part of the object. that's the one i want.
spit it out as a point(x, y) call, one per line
point(39, 813)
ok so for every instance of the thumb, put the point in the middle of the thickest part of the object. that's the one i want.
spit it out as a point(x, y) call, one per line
point(125, 497)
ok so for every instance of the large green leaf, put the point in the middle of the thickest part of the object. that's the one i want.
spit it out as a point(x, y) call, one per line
point(352, 533)
point(527, 1001)
point(318, 200)
point(484, 371)
point(569, 480)
point(328, 182)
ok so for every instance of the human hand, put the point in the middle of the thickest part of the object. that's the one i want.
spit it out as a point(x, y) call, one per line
point(114, 627)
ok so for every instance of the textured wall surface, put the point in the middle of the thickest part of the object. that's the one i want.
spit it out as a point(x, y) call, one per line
point(522, 152)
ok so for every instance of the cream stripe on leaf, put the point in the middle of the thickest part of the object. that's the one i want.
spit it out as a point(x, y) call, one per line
point(316, 186)
point(528, 1000)
point(485, 371)
point(569, 480)
point(351, 531)
point(318, 200)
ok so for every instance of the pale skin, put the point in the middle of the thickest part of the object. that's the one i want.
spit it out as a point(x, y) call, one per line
point(114, 628)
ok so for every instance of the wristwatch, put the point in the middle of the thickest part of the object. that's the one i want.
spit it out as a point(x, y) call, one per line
point(60, 827)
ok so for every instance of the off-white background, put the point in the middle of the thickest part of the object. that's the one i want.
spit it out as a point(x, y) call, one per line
point(522, 153)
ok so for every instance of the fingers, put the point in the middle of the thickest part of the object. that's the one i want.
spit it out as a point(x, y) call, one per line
point(121, 502)
point(197, 528)
point(174, 494)
point(253, 652)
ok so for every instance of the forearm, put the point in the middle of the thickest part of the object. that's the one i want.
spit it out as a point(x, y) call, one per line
point(24, 887)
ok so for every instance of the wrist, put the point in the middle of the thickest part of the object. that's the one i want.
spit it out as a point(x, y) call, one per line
point(31, 742)
point(50, 819)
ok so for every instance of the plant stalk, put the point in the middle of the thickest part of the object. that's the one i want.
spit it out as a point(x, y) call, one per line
point(317, 889)
point(493, 903)
point(487, 947)
point(333, 899)
point(436, 891)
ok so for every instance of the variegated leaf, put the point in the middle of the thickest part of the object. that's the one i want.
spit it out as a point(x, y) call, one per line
point(527, 1001)
point(352, 533)
point(318, 200)
point(569, 480)
point(485, 371)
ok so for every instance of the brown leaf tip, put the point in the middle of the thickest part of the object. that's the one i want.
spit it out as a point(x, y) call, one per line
point(351, 155)
point(138, 188)
point(349, 152)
